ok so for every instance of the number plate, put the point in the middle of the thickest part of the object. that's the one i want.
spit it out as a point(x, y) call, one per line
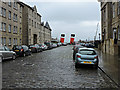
point(87, 62)
point(17, 50)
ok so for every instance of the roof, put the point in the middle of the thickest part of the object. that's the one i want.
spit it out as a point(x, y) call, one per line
point(32, 8)
point(86, 48)
point(47, 26)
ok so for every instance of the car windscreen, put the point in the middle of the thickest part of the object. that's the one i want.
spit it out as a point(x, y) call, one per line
point(87, 52)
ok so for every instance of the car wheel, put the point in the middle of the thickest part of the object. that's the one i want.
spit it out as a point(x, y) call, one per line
point(14, 57)
point(76, 65)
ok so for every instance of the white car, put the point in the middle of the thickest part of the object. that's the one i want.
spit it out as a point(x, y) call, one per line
point(5, 53)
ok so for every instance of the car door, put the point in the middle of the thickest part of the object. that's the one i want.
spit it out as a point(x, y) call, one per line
point(8, 52)
point(2, 51)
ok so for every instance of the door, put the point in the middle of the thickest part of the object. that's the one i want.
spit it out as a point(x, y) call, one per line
point(35, 39)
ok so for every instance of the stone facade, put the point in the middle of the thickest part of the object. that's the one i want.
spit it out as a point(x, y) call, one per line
point(34, 31)
point(31, 25)
point(10, 23)
point(110, 27)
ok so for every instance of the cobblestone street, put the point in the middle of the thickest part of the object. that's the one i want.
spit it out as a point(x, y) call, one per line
point(51, 69)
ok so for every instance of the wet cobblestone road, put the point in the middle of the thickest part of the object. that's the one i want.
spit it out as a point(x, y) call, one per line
point(51, 69)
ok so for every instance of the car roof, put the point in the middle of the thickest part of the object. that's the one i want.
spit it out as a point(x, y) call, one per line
point(86, 49)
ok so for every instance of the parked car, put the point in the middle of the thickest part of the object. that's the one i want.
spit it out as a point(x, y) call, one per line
point(54, 45)
point(75, 50)
point(6, 53)
point(43, 46)
point(21, 50)
point(59, 44)
point(64, 44)
point(86, 56)
point(49, 44)
point(35, 48)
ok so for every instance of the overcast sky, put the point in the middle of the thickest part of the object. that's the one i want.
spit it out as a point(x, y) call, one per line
point(80, 18)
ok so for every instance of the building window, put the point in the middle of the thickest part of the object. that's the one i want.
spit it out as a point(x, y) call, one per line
point(118, 33)
point(9, 27)
point(9, 41)
point(3, 12)
point(20, 9)
point(9, 14)
point(35, 24)
point(3, 26)
point(20, 42)
point(118, 7)
point(9, 3)
point(14, 29)
point(1, 41)
point(20, 19)
point(114, 33)
point(14, 17)
point(113, 8)
point(14, 41)
point(20, 31)
point(32, 23)
point(4, 41)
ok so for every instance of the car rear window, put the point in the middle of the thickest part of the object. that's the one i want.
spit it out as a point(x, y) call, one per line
point(32, 45)
point(17, 47)
point(87, 52)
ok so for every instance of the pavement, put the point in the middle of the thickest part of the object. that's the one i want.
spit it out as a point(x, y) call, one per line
point(110, 65)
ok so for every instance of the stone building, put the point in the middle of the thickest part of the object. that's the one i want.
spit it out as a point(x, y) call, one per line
point(34, 32)
point(31, 25)
point(10, 23)
point(45, 32)
point(110, 27)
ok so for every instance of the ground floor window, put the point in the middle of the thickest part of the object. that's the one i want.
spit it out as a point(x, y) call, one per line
point(9, 41)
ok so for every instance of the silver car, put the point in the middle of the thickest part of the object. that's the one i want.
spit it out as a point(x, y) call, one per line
point(5, 53)
point(86, 56)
